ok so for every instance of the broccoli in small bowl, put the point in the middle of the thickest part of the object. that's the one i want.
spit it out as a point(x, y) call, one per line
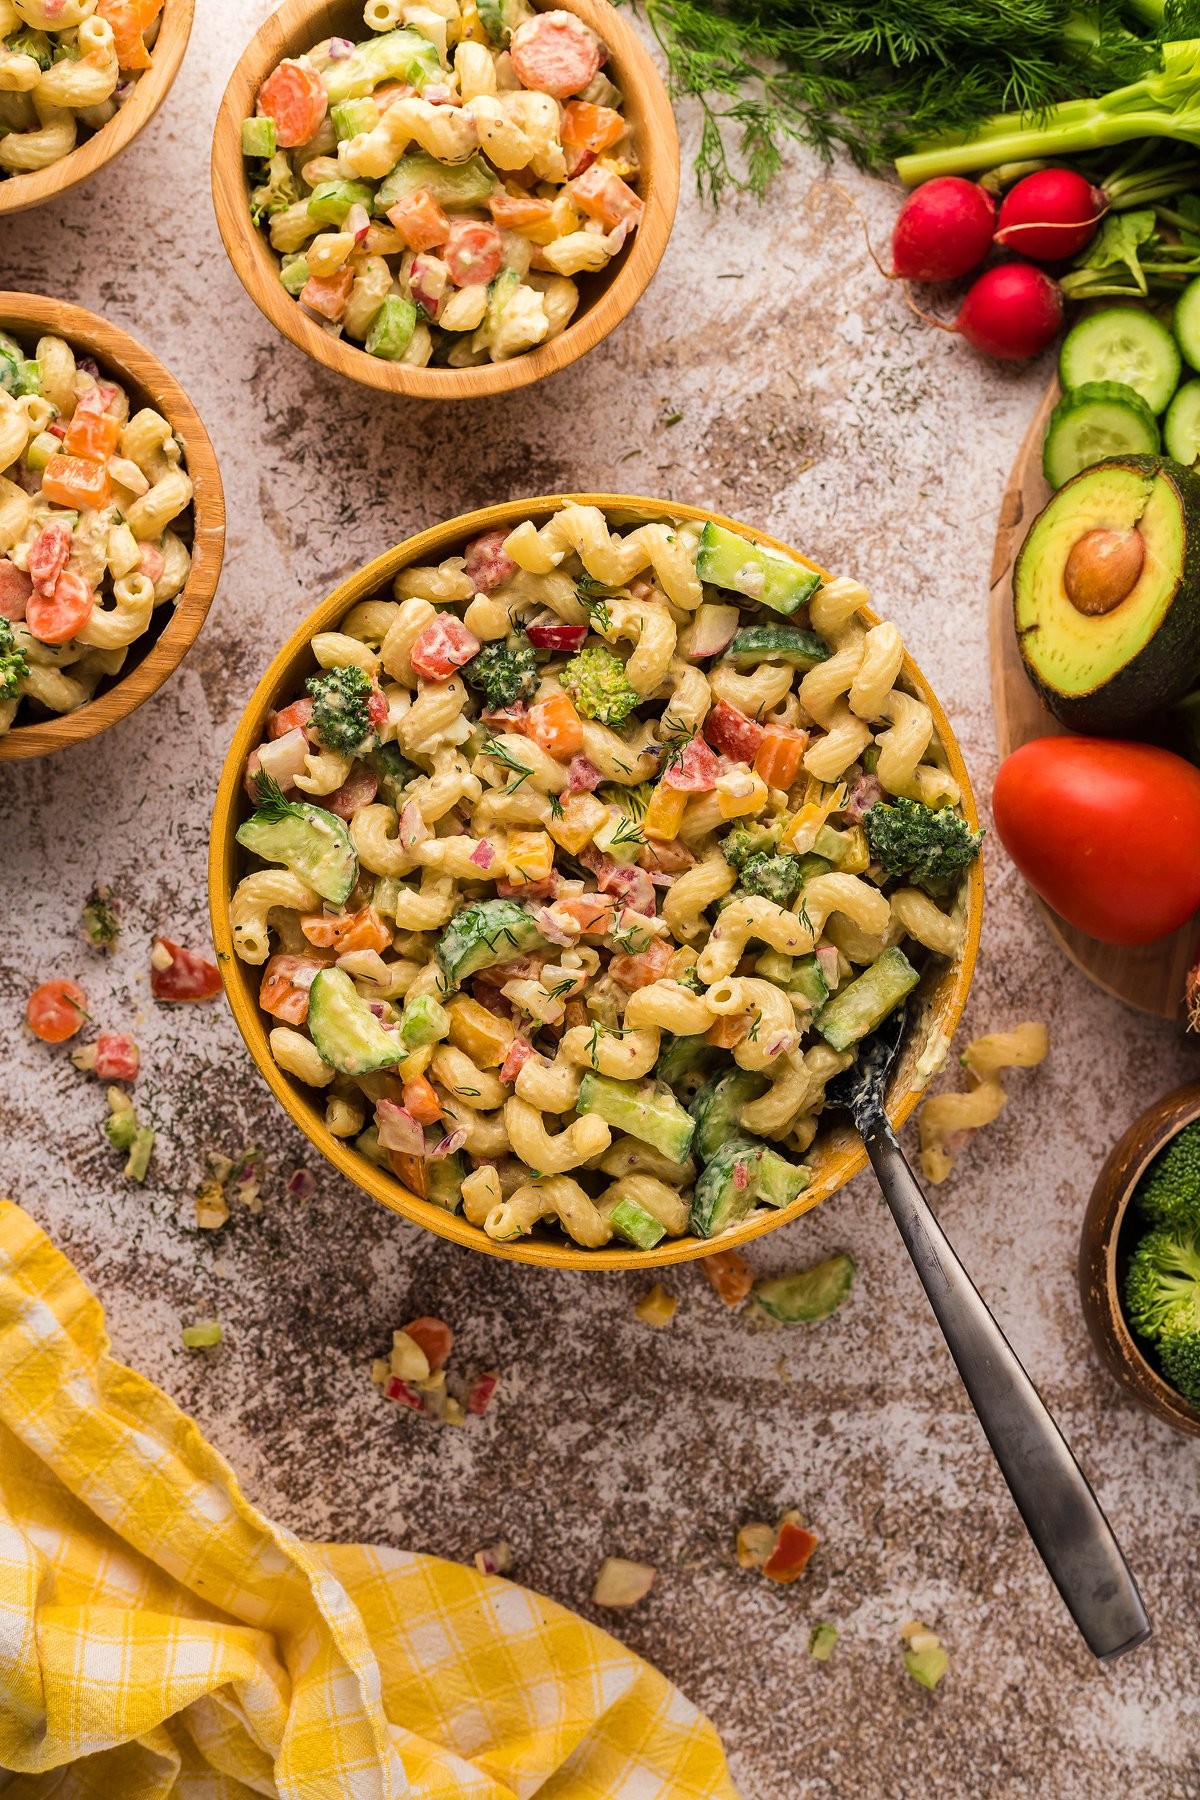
point(1158, 1286)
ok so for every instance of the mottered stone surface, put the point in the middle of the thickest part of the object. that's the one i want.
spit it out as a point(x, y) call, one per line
point(814, 404)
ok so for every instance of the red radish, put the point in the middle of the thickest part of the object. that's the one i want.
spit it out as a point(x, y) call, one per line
point(944, 230)
point(1011, 312)
point(1050, 215)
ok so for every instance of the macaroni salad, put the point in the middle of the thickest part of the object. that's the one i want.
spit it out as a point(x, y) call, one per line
point(88, 496)
point(583, 863)
point(66, 65)
point(432, 190)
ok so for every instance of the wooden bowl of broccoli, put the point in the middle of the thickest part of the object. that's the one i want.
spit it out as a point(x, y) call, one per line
point(1139, 1260)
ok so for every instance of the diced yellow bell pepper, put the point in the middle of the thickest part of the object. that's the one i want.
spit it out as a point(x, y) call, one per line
point(656, 1307)
point(857, 858)
point(681, 965)
point(478, 1033)
point(800, 834)
point(416, 1064)
point(471, 29)
point(529, 859)
point(740, 792)
point(582, 814)
point(664, 815)
point(564, 217)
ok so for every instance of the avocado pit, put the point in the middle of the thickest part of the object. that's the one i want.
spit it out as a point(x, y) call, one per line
point(1103, 569)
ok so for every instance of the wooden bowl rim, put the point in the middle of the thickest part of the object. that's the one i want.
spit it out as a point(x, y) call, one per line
point(140, 370)
point(1104, 1220)
point(241, 983)
point(19, 192)
point(257, 265)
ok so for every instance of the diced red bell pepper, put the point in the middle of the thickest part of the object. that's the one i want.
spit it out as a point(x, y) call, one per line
point(188, 975)
point(395, 1389)
point(289, 718)
point(793, 1548)
point(359, 789)
point(48, 555)
point(117, 1057)
point(643, 969)
point(694, 768)
point(444, 646)
point(515, 1058)
point(480, 1394)
point(732, 733)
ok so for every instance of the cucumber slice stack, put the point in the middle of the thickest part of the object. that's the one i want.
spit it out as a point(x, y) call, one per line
point(1122, 344)
point(1095, 420)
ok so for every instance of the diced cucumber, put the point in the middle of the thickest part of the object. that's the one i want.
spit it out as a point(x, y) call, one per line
point(730, 561)
point(345, 1030)
point(455, 186)
point(755, 644)
point(811, 1295)
point(866, 1001)
point(396, 56)
point(1181, 427)
point(493, 931)
point(294, 273)
point(330, 201)
point(353, 118)
point(1122, 344)
point(444, 1176)
point(309, 840)
point(393, 773)
point(838, 847)
point(258, 138)
point(686, 1059)
point(801, 976)
point(392, 328)
point(1186, 322)
point(743, 1174)
point(1099, 419)
point(423, 1021)
point(644, 1112)
point(367, 1144)
point(638, 1227)
point(500, 18)
point(780, 1181)
point(717, 1109)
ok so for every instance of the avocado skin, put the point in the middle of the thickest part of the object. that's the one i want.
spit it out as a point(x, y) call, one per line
point(1168, 666)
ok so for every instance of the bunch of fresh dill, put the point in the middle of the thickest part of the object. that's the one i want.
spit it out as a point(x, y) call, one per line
point(874, 76)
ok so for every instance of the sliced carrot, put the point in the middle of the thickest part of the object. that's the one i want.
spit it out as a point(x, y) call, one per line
point(556, 727)
point(511, 211)
point(92, 435)
point(728, 1031)
point(69, 481)
point(56, 1011)
point(408, 1169)
point(593, 913)
point(640, 970)
point(56, 618)
point(128, 24)
point(420, 221)
point(593, 128)
point(420, 1097)
point(363, 930)
point(780, 755)
point(604, 196)
point(294, 96)
point(328, 295)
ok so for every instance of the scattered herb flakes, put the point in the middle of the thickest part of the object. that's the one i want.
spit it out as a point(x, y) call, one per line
point(675, 418)
point(100, 922)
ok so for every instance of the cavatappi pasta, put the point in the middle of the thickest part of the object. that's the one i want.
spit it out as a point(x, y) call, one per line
point(95, 524)
point(948, 1121)
point(584, 862)
point(434, 190)
point(66, 67)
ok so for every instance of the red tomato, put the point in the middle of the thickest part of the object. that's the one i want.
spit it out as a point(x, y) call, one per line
point(694, 768)
point(55, 1011)
point(549, 632)
point(188, 975)
point(294, 96)
point(472, 252)
point(435, 1338)
point(377, 708)
point(444, 646)
point(48, 555)
point(15, 589)
point(288, 718)
point(285, 984)
point(56, 618)
point(1107, 832)
point(732, 733)
point(487, 561)
point(515, 1058)
point(117, 1057)
point(328, 295)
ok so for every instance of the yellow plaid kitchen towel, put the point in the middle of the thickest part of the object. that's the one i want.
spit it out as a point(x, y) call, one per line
point(159, 1637)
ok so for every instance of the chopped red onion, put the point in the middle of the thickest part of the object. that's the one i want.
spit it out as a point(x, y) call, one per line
point(778, 1043)
point(339, 49)
point(550, 928)
point(483, 855)
point(741, 1175)
point(412, 828)
point(583, 777)
point(449, 1144)
point(479, 1395)
point(398, 1130)
point(827, 958)
point(301, 1184)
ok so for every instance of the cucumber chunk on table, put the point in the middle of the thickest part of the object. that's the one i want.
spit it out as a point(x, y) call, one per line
point(755, 644)
point(1092, 422)
point(494, 931)
point(1123, 344)
point(717, 1109)
point(1181, 427)
point(741, 1175)
point(644, 1112)
point(866, 1001)
point(345, 1030)
point(309, 840)
point(455, 186)
point(811, 1295)
point(635, 1225)
point(730, 561)
point(396, 56)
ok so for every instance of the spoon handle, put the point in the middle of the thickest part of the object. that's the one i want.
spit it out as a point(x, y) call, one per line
point(1061, 1513)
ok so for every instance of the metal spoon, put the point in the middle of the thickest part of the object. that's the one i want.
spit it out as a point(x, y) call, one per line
point(1061, 1513)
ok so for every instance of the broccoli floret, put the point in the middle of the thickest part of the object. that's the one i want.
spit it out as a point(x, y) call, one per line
point(1162, 1283)
point(505, 672)
point(1169, 1192)
point(777, 877)
point(13, 665)
point(928, 846)
point(277, 190)
point(744, 841)
point(340, 717)
point(1179, 1353)
point(394, 772)
point(597, 682)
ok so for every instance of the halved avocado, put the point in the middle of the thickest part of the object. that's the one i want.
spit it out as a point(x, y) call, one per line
point(1106, 593)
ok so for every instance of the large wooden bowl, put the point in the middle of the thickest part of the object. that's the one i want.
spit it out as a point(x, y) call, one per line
point(17, 192)
point(605, 297)
point(838, 1154)
point(1109, 1234)
point(173, 629)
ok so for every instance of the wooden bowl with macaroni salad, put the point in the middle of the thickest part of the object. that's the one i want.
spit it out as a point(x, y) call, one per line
point(33, 186)
point(605, 296)
point(837, 1154)
point(175, 625)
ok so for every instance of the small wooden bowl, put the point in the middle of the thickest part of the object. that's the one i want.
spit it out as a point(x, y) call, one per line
point(1104, 1249)
point(839, 1154)
point(17, 192)
point(173, 629)
point(605, 297)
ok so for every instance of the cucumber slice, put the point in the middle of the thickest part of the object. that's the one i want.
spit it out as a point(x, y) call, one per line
point(330, 201)
point(638, 1227)
point(310, 841)
point(394, 773)
point(730, 561)
point(741, 1175)
point(1125, 344)
point(1092, 422)
point(444, 1176)
point(1181, 427)
point(656, 1118)
point(1186, 322)
point(801, 976)
point(392, 328)
point(754, 644)
point(395, 56)
point(494, 931)
point(455, 186)
point(345, 1030)
point(865, 1002)
point(717, 1109)
point(780, 1181)
point(686, 1059)
point(813, 1294)
point(422, 1022)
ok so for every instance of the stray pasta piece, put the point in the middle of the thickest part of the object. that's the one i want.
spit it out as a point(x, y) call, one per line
point(948, 1121)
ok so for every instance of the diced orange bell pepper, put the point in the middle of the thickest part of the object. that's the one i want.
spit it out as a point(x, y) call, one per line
point(129, 19)
point(582, 814)
point(482, 1035)
point(363, 930)
point(604, 196)
point(592, 913)
point(420, 1097)
point(730, 1274)
point(593, 128)
point(789, 1559)
point(664, 815)
point(780, 755)
point(92, 435)
point(641, 970)
point(70, 481)
point(728, 1031)
point(556, 727)
point(529, 858)
point(408, 1169)
point(511, 211)
point(328, 295)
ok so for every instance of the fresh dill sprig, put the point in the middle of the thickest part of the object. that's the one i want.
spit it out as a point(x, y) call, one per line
point(496, 752)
